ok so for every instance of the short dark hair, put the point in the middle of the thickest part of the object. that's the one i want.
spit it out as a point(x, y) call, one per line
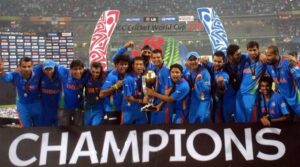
point(122, 57)
point(138, 58)
point(158, 51)
point(252, 44)
point(176, 66)
point(76, 63)
point(25, 59)
point(267, 79)
point(294, 53)
point(146, 47)
point(96, 65)
point(274, 49)
point(231, 49)
point(220, 54)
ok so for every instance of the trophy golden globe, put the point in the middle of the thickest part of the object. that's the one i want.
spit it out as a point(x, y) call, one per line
point(149, 81)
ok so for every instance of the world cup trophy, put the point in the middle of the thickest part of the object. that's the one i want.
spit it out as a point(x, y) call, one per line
point(149, 81)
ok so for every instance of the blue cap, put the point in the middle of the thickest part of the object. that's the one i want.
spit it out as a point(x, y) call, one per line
point(48, 64)
point(191, 54)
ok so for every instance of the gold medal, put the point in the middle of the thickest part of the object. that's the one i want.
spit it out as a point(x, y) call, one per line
point(234, 80)
point(97, 98)
point(253, 77)
point(25, 94)
point(202, 96)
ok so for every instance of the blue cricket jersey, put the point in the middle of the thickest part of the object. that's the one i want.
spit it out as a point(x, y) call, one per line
point(28, 91)
point(92, 91)
point(72, 88)
point(275, 107)
point(113, 102)
point(286, 78)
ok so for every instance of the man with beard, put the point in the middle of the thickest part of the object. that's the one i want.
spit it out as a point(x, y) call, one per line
point(286, 76)
point(27, 82)
point(176, 99)
point(246, 95)
point(133, 95)
point(112, 89)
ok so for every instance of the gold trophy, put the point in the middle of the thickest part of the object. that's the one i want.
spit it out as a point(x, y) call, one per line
point(149, 81)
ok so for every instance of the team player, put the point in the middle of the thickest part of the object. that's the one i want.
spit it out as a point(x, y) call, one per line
point(94, 105)
point(112, 89)
point(73, 81)
point(246, 95)
point(51, 93)
point(133, 95)
point(26, 81)
point(286, 76)
point(272, 107)
point(163, 85)
point(219, 84)
point(199, 97)
point(145, 52)
point(176, 99)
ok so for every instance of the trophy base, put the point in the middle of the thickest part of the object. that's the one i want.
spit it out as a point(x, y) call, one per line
point(148, 107)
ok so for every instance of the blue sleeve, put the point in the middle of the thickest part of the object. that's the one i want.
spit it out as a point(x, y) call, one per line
point(128, 84)
point(283, 105)
point(8, 77)
point(38, 69)
point(295, 71)
point(167, 79)
point(109, 82)
point(203, 84)
point(62, 71)
point(226, 79)
point(180, 92)
point(120, 51)
point(208, 65)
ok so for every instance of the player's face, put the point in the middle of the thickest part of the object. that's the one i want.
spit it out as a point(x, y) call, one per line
point(218, 62)
point(175, 74)
point(156, 59)
point(237, 56)
point(271, 57)
point(253, 52)
point(95, 72)
point(138, 67)
point(265, 88)
point(26, 68)
point(146, 54)
point(77, 72)
point(122, 67)
point(193, 63)
point(49, 72)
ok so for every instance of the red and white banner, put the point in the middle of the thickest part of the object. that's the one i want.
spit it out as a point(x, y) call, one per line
point(101, 36)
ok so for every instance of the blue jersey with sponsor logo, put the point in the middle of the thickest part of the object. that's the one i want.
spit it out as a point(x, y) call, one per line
point(286, 78)
point(163, 80)
point(252, 73)
point(92, 91)
point(113, 102)
point(28, 91)
point(132, 86)
point(275, 107)
point(72, 88)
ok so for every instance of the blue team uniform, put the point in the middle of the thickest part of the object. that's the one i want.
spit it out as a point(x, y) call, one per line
point(199, 98)
point(246, 95)
point(51, 94)
point(72, 89)
point(235, 77)
point(94, 106)
point(275, 107)
point(286, 78)
point(28, 96)
point(131, 111)
point(163, 82)
point(113, 102)
point(178, 107)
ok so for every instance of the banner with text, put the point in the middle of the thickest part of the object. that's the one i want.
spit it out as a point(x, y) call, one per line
point(174, 145)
